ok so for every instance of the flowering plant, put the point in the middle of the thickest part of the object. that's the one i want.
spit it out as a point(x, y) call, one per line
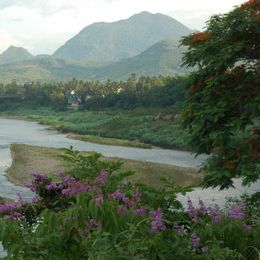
point(105, 216)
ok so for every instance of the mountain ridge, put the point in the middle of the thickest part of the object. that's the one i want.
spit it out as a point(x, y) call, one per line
point(121, 39)
point(14, 54)
point(163, 58)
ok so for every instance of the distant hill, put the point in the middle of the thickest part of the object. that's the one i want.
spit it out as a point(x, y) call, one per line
point(45, 69)
point(15, 54)
point(111, 42)
point(163, 58)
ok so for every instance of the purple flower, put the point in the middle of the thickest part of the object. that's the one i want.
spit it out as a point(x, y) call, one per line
point(31, 185)
point(202, 208)
point(157, 221)
point(131, 203)
point(247, 227)
point(34, 201)
point(195, 241)
point(15, 216)
point(11, 206)
point(236, 211)
point(122, 209)
point(205, 249)
point(215, 214)
point(93, 224)
point(137, 195)
point(192, 212)
point(179, 229)
point(67, 180)
point(51, 186)
point(118, 195)
point(39, 177)
point(75, 187)
point(99, 200)
point(141, 211)
point(102, 179)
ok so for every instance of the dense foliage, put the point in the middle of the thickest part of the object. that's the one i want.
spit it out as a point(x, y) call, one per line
point(134, 92)
point(222, 112)
point(144, 109)
point(95, 213)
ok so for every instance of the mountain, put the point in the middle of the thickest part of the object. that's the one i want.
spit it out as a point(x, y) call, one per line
point(15, 54)
point(122, 39)
point(45, 69)
point(163, 58)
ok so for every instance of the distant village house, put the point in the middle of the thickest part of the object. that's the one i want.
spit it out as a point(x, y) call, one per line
point(73, 101)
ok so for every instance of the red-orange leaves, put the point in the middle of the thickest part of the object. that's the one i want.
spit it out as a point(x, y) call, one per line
point(230, 165)
point(249, 4)
point(194, 87)
point(200, 37)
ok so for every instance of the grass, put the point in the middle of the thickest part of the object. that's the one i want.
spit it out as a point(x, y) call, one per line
point(108, 141)
point(28, 159)
point(136, 125)
point(4, 200)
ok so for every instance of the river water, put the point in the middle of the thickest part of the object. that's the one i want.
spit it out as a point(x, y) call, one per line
point(32, 133)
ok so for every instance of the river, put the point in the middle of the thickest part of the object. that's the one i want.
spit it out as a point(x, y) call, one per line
point(32, 133)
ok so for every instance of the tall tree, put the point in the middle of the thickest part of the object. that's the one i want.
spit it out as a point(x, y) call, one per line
point(222, 112)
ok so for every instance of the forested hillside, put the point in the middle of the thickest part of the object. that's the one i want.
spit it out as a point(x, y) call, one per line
point(163, 58)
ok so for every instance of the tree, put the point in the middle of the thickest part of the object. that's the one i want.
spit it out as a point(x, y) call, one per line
point(222, 112)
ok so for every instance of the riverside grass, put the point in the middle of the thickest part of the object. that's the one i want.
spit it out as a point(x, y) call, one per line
point(140, 126)
point(4, 200)
point(28, 159)
point(108, 141)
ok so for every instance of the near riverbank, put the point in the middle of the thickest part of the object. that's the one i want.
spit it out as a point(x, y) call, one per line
point(137, 127)
point(28, 159)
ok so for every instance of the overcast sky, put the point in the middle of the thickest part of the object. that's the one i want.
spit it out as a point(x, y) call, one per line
point(41, 26)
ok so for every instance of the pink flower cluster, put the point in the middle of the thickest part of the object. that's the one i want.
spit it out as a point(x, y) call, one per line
point(237, 211)
point(128, 202)
point(194, 213)
point(102, 179)
point(157, 221)
point(36, 181)
point(11, 206)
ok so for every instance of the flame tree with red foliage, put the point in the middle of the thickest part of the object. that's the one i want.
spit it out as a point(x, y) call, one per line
point(222, 112)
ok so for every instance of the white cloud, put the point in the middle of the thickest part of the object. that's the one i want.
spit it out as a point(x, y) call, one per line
point(44, 25)
point(6, 40)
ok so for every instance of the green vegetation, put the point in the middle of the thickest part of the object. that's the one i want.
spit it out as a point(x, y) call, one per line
point(4, 200)
point(108, 141)
point(14, 54)
point(28, 159)
point(95, 213)
point(144, 110)
point(138, 124)
point(163, 58)
point(223, 101)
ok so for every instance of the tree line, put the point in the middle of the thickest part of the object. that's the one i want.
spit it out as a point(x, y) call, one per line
point(133, 92)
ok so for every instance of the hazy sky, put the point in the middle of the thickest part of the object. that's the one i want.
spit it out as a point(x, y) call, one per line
point(41, 26)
